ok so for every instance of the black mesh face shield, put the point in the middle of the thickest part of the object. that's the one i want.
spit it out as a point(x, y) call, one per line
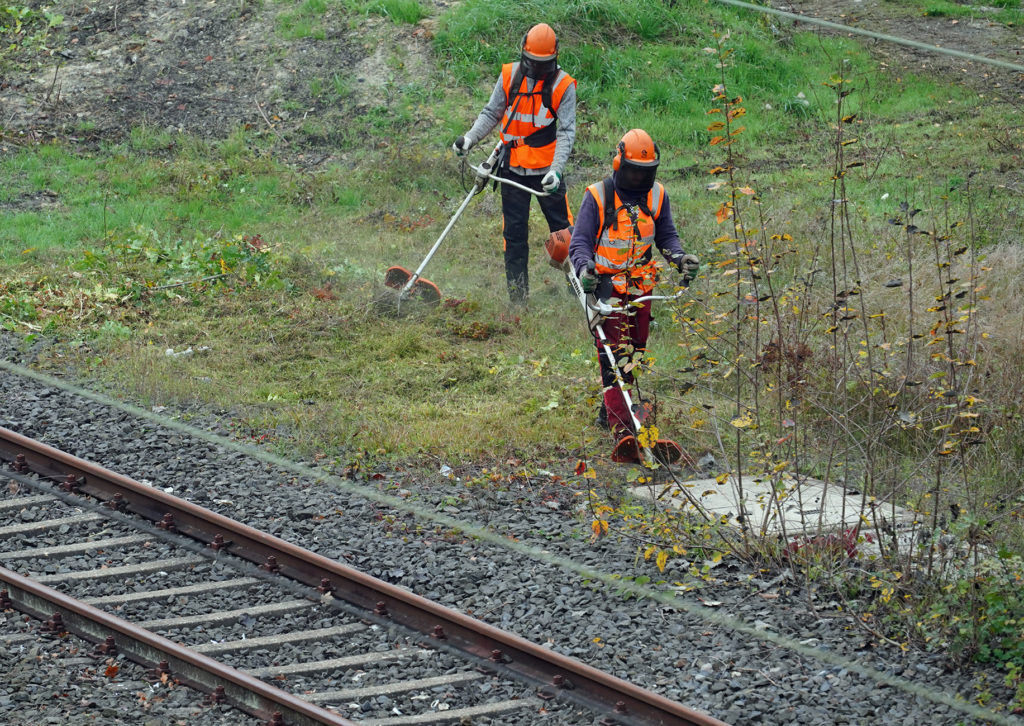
point(635, 177)
point(539, 70)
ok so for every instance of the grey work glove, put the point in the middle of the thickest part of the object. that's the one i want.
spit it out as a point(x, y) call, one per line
point(462, 145)
point(687, 266)
point(551, 181)
point(588, 280)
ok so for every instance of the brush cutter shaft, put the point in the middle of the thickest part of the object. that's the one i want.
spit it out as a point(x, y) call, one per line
point(416, 275)
point(594, 310)
point(619, 381)
point(482, 175)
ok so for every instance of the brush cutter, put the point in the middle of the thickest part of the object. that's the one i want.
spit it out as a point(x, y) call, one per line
point(596, 307)
point(410, 283)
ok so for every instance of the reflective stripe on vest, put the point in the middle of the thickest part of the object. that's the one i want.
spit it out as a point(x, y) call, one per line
point(623, 249)
point(531, 115)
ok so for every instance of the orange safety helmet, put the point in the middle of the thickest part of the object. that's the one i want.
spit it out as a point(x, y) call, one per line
point(539, 58)
point(636, 161)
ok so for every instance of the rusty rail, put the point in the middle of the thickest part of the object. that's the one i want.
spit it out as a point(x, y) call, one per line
point(623, 702)
point(62, 613)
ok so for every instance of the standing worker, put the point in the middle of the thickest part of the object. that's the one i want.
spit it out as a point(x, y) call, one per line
point(535, 102)
point(619, 220)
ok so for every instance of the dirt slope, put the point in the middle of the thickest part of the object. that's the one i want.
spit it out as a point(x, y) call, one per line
point(208, 67)
point(204, 67)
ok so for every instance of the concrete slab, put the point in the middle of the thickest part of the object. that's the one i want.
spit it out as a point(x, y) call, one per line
point(799, 506)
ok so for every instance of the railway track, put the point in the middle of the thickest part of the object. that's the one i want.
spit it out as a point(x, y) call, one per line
point(277, 631)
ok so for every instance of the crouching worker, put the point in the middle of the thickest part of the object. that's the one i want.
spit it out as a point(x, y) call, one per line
point(620, 221)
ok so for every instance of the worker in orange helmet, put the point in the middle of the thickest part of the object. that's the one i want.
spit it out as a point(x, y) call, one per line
point(620, 222)
point(535, 102)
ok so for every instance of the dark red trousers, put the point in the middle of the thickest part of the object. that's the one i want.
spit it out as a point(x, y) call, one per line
point(626, 335)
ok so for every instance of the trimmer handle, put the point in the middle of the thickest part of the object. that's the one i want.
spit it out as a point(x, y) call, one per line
point(645, 298)
point(483, 172)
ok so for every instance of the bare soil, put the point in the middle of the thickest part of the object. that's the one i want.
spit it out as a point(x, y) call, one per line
point(207, 68)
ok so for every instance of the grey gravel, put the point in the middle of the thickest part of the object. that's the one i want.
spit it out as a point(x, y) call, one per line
point(733, 676)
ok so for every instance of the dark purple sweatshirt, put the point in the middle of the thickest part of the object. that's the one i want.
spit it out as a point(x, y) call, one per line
point(586, 228)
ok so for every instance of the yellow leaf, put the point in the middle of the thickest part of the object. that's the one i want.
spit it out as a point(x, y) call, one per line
point(742, 422)
point(647, 436)
point(662, 560)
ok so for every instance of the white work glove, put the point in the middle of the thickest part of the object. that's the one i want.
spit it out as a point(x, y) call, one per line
point(551, 181)
point(462, 145)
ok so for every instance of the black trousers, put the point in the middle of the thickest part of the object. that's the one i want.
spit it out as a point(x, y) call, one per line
point(515, 212)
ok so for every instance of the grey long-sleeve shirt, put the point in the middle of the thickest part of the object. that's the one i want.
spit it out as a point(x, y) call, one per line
point(565, 130)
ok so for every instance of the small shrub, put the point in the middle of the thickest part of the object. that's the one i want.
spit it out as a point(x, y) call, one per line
point(980, 615)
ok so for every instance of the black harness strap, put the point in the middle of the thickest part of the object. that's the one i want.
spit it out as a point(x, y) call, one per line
point(546, 135)
point(611, 213)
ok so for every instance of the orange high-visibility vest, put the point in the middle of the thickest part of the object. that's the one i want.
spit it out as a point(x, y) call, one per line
point(531, 115)
point(623, 248)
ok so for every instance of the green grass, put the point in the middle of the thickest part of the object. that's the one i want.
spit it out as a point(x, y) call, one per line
point(386, 205)
point(398, 11)
point(137, 214)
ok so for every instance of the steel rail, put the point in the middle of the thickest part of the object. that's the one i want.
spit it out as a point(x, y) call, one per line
point(853, 30)
point(160, 654)
point(559, 675)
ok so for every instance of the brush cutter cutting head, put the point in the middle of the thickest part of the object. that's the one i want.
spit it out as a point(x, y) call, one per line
point(423, 289)
point(664, 451)
point(557, 247)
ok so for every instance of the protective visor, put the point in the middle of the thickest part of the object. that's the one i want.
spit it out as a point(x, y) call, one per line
point(538, 69)
point(636, 177)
